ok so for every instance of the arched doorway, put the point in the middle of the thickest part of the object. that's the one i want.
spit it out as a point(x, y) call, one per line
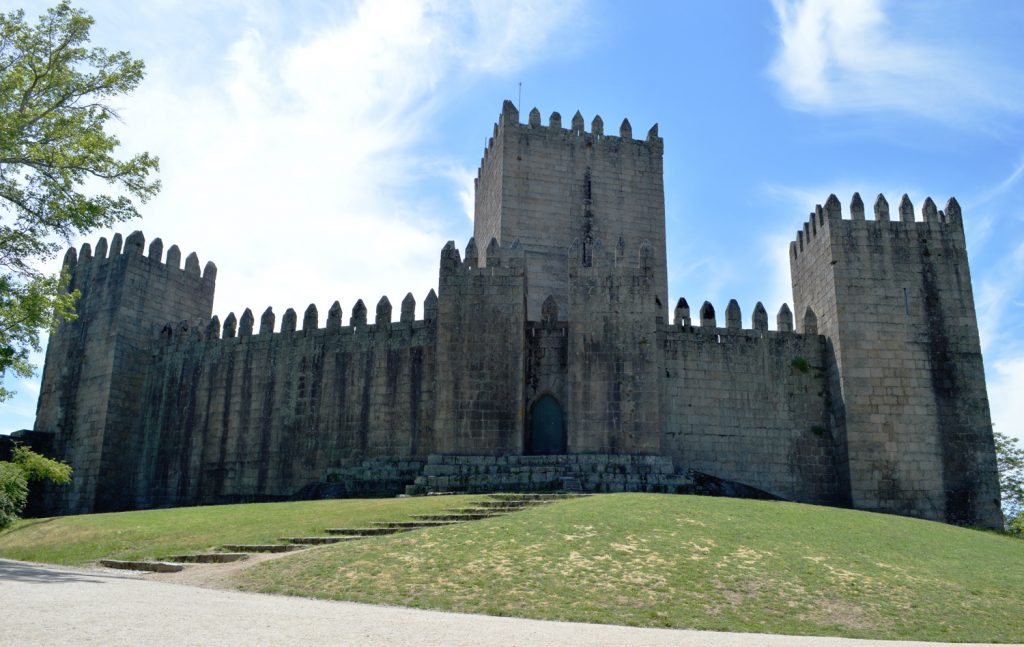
point(547, 427)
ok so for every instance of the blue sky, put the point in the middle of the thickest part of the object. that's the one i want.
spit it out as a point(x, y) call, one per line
point(325, 150)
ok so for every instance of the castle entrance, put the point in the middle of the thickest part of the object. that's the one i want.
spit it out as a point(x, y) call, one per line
point(547, 427)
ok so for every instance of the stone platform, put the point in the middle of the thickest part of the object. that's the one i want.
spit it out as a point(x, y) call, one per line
point(563, 472)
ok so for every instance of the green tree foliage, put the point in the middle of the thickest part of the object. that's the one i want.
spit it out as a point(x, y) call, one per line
point(26, 466)
point(1010, 462)
point(55, 95)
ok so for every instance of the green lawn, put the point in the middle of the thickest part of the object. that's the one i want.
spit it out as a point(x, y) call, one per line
point(684, 561)
point(635, 559)
point(158, 533)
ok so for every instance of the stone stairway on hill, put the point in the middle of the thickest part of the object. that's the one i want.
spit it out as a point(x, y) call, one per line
point(560, 472)
point(495, 505)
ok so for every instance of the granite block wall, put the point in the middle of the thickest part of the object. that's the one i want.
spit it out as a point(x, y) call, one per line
point(547, 363)
point(481, 351)
point(614, 374)
point(894, 300)
point(750, 406)
point(95, 365)
point(243, 416)
point(546, 186)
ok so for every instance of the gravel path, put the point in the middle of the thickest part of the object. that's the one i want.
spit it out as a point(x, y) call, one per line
point(49, 605)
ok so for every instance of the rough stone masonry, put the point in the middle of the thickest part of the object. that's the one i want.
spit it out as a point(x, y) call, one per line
point(545, 360)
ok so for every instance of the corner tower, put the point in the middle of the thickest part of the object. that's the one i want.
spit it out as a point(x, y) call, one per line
point(547, 186)
point(893, 299)
point(90, 397)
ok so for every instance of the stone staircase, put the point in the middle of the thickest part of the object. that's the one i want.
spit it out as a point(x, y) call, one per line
point(562, 473)
point(495, 505)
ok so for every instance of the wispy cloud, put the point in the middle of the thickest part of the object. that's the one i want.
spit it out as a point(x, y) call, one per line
point(295, 163)
point(850, 55)
point(996, 293)
point(1008, 183)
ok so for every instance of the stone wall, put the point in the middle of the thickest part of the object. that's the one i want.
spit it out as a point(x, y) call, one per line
point(750, 406)
point(235, 416)
point(572, 472)
point(894, 300)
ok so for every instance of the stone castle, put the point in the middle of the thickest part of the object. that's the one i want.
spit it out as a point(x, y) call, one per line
point(545, 360)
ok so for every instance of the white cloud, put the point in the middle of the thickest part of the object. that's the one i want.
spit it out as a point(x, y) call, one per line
point(994, 295)
point(848, 55)
point(1006, 383)
point(294, 164)
point(464, 179)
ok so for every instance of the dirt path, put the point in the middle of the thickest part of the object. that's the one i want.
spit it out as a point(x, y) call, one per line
point(216, 576)
point(46, 605)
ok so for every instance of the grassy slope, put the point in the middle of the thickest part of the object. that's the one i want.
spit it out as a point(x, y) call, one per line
point(652, 560)
point(158, 533)
point(680, 561)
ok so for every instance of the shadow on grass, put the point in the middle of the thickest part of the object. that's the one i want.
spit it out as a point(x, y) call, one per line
point(26, 524)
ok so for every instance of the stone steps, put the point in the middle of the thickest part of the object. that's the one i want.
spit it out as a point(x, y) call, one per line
point(456, 516)
point(505, 505)
point(365, 532)
point(494, 506)
point(153, 567)
point(209, 558)
point(262, 548)
point(535, 497)
point(490, 512)
point(412, 525)
point(315, 541)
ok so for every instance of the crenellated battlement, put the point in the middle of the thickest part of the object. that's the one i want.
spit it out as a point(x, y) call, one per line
point(707, 321)
point(133, 247)
point(932, 221)
point(498, 258)
point(509, 119)
point(240, 330)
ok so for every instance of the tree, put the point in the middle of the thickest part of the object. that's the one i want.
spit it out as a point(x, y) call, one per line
point(1010, 463)
point(26, 466)
point(55, 96)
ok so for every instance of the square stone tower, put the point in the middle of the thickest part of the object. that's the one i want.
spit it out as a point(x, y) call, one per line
point(547, 186)
point(90, 396)
point(893, 299)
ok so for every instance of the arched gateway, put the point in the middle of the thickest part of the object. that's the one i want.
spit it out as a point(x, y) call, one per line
point(547, 427)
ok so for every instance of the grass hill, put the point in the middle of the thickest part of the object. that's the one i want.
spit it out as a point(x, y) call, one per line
point(636, 559)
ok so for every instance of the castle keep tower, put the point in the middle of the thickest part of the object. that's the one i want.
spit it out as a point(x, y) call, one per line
point(893, 299)
point(547, 186)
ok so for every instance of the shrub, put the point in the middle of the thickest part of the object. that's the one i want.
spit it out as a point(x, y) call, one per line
point(26, 465)
point(13, 493)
